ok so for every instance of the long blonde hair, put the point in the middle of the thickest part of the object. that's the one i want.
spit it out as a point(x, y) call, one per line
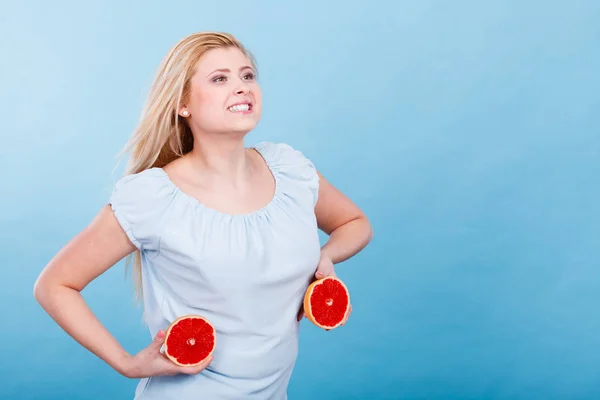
point(161, 136)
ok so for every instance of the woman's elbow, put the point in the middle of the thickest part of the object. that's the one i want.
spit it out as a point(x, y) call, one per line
point(368, 229)
point(39, 289)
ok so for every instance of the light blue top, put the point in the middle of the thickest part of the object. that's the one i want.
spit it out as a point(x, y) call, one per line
point(246, 273)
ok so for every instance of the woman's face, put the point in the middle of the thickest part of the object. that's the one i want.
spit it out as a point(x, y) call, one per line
point(224, 95)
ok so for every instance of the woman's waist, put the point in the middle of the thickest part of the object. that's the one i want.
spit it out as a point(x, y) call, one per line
point(251, 356)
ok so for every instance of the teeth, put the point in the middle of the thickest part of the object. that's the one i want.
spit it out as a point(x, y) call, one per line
point(239, 107)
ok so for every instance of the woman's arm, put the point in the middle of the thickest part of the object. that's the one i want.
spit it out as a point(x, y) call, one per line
point(93, 251)
point(348, 228)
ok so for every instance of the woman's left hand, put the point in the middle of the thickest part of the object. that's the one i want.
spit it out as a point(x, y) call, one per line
point(324, 268)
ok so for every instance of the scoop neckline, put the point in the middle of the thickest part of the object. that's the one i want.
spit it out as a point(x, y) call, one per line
point(250, 214)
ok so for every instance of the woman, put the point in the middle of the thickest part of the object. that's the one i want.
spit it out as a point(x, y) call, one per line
point(217, 229)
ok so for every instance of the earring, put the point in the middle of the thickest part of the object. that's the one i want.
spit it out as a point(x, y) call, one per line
point(186, 113)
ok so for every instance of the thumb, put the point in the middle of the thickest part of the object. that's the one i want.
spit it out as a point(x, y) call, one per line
point(324, 268)
point(322, 272)
point(158, 341)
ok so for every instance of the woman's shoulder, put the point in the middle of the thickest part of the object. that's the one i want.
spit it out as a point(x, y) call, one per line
point(147, 185)
point(283, 155)
point(139, 201)
point(150, 175)
point(291, 165)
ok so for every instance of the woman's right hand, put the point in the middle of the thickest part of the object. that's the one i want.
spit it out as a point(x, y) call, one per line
point(151, 362)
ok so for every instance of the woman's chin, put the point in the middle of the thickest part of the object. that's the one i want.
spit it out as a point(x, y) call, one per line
point(242, 127)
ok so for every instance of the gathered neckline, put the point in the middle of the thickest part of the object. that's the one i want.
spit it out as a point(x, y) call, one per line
point(249, 214)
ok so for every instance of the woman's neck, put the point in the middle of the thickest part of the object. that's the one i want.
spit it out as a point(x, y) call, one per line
point(221, 157)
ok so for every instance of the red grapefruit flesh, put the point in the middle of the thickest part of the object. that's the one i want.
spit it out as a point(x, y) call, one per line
point(327, 302)
point(189, 340)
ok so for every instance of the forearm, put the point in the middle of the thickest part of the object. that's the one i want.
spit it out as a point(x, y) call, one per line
point(68, 308)
point(347, 240)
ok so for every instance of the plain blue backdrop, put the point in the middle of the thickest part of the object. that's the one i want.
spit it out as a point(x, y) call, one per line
point(468, 131)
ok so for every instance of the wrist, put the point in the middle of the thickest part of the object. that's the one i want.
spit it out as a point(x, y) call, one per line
point(124, 365)
point(325, 255)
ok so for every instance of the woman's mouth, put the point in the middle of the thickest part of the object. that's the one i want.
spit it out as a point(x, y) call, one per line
point(240, 108)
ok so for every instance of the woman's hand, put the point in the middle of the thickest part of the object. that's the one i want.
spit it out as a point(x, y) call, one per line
point(151, 362)
point(325, 268)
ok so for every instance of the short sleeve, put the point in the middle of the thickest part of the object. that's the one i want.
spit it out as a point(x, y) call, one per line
point(139, 204)
point(293, 165)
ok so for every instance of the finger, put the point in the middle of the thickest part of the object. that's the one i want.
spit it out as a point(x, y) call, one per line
point(158, 340)
point(197, 368)
point(347, 316)
point(300, 313)
point(322, 274)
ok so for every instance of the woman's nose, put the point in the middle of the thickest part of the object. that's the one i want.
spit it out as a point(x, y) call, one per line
point(242, 88)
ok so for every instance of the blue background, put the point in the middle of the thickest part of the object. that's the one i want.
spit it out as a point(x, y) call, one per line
point(468, 131)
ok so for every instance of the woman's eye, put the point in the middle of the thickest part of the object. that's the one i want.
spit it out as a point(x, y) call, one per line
point(249, 76)
point(219, 79)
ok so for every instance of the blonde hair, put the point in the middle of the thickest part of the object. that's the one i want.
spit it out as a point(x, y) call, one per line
point(161, 136)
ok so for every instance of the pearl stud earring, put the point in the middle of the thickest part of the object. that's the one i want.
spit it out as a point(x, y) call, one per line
point(186, 113)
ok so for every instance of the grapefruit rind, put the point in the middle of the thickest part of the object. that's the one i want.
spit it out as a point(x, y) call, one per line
point(308, 309)
point(168, 332)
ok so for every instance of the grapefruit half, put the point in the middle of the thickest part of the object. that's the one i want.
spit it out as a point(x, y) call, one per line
point(189, 340)
point(327, 302)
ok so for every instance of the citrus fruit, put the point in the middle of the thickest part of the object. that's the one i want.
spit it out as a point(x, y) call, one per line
point(327, 302)
point(189, 340)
